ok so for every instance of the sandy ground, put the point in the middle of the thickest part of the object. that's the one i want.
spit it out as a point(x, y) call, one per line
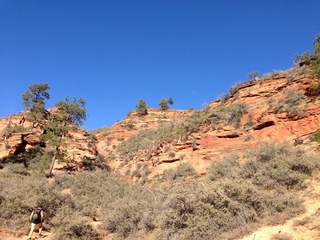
point(304, 227)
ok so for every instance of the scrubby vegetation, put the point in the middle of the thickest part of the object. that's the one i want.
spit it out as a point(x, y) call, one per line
point(290, 104)
point(238, 192)
point(149, 140)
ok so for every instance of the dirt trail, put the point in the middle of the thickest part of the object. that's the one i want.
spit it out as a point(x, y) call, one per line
point(5, 236)
point(306, 226)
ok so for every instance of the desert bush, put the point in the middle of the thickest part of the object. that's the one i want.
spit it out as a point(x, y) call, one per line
point(315, 87)
point(69, 224)
point(273, 74)
point(225, 98)
point(233, 90)
point(290, 104)
point(228, 167)
point(185, 216)
point(268, 151)
point(130, 125)
point(124, 218)
point(129, 211)
point(92, 137)
point(315, 136)
point(272, 165)
point(302, 222)
point(182, 171)
point(205, 211)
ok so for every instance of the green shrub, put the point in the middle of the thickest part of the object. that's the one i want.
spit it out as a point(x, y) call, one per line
point(315, 136)
point(315, 87)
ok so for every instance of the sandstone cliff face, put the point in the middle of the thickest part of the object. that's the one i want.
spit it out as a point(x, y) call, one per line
point(274, 114)
point(278, 110)
point(18, 137)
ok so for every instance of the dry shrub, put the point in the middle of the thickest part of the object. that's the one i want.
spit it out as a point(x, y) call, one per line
point(182, 171)
point(229, 167)
point(70, 224)
point(302, 222)
point(260, 188)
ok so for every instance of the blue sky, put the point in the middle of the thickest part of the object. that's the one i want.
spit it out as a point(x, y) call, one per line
point(114, 52)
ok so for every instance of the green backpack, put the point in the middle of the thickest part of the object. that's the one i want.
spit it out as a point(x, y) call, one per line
point(36, 215)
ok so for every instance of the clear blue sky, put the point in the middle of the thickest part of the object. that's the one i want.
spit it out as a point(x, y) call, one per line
point(114, 52)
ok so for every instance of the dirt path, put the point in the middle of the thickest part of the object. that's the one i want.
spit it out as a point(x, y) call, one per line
point(5, 236)
point(304, 227)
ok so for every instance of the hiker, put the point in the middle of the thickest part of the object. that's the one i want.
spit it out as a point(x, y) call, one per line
point(36, 219)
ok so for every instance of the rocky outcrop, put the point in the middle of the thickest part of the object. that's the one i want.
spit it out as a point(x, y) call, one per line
point(263, 122)
point(18, 137)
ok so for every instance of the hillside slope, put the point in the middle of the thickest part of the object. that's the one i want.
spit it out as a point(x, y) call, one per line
point(275, 107)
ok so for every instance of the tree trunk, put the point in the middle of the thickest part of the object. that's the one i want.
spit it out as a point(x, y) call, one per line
point(53, 160)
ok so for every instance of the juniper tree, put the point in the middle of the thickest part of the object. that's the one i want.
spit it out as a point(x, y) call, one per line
point(141, 107)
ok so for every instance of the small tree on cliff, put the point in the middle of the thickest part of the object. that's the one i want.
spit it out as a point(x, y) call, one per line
point(58, 124)
point(34, 102)
point(70, 113)
point(164, 103)
point(141, 108)
point(253, 75)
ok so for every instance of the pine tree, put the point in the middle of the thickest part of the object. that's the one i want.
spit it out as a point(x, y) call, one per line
point(34, 102)
point(163, 104)
point(141, 108)
point(57, 125)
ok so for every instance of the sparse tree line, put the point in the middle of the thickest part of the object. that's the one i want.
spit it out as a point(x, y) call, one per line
point(142, 109)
